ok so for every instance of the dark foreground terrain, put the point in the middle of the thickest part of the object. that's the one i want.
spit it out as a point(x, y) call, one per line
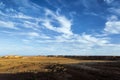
point(58, 68)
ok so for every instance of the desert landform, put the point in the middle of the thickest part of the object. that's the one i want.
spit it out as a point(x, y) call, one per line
point(59, 68)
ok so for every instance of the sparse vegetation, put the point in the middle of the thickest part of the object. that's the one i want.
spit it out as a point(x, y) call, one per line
point(58, 68)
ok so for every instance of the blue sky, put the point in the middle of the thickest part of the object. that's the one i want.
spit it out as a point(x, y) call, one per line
point(60, 27)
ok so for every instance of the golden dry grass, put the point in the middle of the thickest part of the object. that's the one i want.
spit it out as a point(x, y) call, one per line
point(13, 64)
point(57, 68)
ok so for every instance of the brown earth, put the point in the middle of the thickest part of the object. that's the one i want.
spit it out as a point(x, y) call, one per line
point(57, 68)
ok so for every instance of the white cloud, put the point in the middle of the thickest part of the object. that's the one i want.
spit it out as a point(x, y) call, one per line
point(27, 4)
point(91, 13)
point(94, 40)
point(15, 14)
point(64, 28)
point(7, 24)
point(66, 39)
point(114, 10)
point(21, 19)
point(26, 41)
point(22, 16)
point(84, 41)
point(112, 18)
point(108, 1)
point(10, 11)
point(2, 5)
point(1, 13)
point(44, 36)
point(112, 26)
point(33, 34)
point(32, 25)
point(65, 24)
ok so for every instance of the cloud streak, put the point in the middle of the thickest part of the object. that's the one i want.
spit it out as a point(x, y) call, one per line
point(8, 24)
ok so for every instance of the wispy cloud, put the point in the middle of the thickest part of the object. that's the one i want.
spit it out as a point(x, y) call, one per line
point(22, 16)
point(8, 24)
point(33, 34)
point(64, 28)
point(36, 25)
point(32, 25)
point(64, 23)
point(2, 5)
point(114, 10)
point(108, 1)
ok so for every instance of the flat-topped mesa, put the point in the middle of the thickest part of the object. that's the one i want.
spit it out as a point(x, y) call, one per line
point(11, 57)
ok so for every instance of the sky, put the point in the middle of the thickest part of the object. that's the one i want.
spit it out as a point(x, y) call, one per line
point(60, 27)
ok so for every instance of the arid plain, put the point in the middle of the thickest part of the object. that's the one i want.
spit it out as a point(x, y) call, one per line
point(59, 68)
